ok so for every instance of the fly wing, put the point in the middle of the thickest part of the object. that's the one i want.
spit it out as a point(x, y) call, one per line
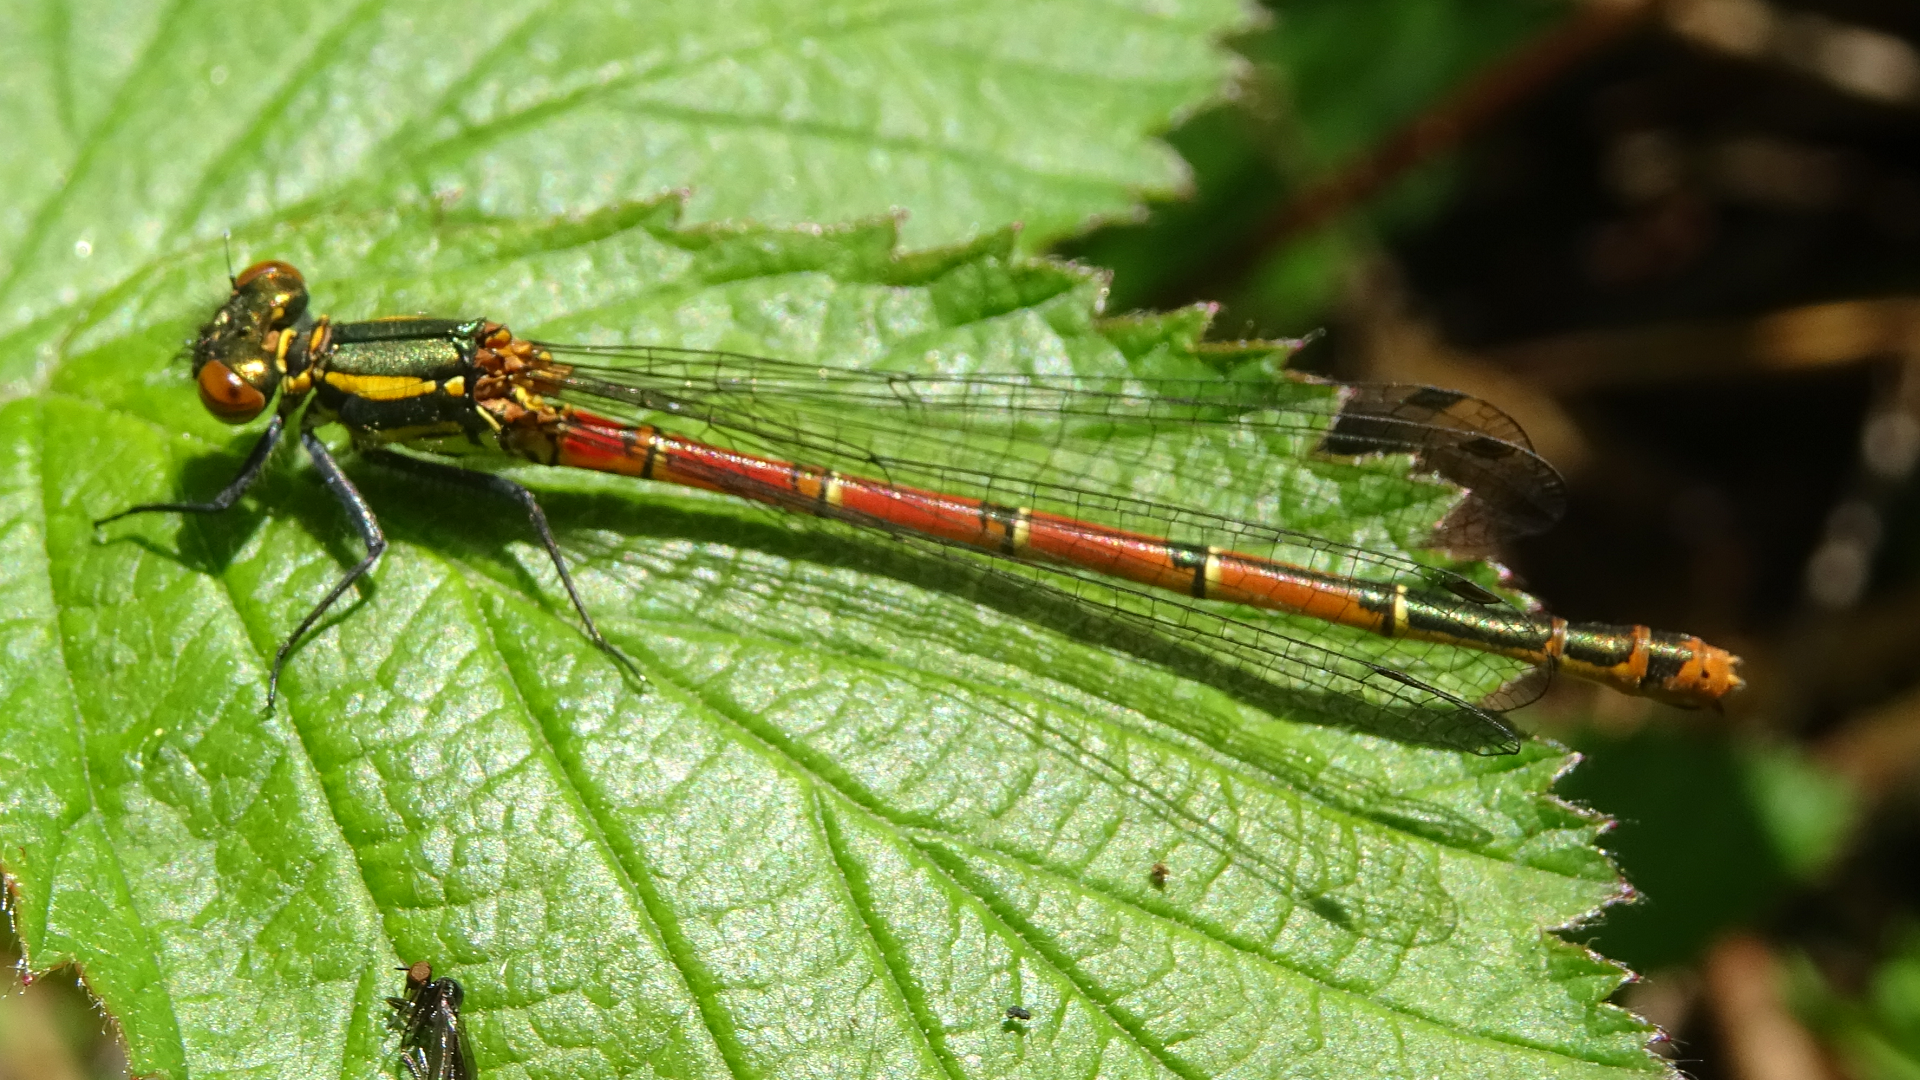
point(434, 1039)
point(461, 1067)
point(443, 1048)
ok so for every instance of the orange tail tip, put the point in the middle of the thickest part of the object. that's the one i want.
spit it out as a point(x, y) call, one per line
point(1704, 679)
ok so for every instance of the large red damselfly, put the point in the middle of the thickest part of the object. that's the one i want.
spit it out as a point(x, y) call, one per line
point(1041, 483)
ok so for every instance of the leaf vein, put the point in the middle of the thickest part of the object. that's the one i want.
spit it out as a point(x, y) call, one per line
point(155, 954)
point(91, 146)
point(637, 882)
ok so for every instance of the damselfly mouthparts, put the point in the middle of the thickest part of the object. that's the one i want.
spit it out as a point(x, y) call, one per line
point(434, 1044)
point(1052, 485)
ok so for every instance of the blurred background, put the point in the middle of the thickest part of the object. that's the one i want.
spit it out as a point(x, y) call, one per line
point(1679, 240)
point(50, 1029)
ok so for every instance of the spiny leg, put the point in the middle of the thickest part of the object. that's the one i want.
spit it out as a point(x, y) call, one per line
point(501, 486)
point(363, 520)
point(227, 496)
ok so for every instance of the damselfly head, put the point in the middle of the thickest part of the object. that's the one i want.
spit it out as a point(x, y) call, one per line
point(239, 355)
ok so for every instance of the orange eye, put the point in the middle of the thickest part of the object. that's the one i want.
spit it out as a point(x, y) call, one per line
point(271, 289)
point(226, 395)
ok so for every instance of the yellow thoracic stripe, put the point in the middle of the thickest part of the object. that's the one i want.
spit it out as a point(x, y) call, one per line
point(381, 387)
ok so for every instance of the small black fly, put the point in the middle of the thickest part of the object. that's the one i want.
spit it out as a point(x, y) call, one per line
point(434, 1042)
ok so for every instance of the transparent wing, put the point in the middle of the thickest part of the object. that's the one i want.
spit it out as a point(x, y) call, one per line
point(1165, 459)
point(1367, 683)
point(437, 1045)
point(1151, 457)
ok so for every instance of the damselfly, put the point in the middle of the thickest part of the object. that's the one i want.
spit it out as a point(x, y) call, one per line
point(434, 1039)
point(1051, 485)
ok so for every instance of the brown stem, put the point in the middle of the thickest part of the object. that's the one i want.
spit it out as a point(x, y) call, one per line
point(1762, 1039)
point(1446, 124)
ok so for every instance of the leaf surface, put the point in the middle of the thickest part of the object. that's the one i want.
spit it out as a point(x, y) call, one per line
point(851, 815)
point(136, 128)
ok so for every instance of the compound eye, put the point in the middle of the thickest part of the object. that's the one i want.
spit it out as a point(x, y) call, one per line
point(226, 395)
point(279, 285)
point(270, 268)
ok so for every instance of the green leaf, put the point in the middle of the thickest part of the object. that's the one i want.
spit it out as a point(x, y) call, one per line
point(1714, 836)
point(1354, 70)
point(134, 128)
point(848, 820)
point(1877, 1034)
